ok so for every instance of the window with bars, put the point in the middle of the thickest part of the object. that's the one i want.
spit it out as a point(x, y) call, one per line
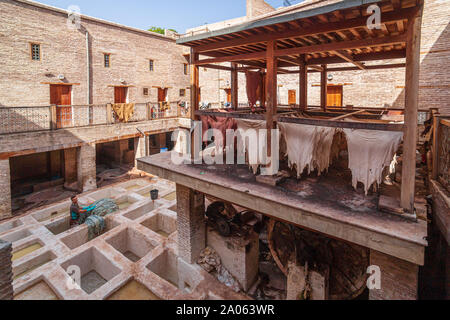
point(145, 91)
point(182, 92)
point(107, 60)
point(186, 68)
point(35, 52)
point(151, 65)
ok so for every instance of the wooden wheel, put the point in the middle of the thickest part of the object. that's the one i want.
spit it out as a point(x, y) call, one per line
point(347, 262)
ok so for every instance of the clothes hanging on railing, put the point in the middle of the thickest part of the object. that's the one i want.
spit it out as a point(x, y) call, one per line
point(123, 111)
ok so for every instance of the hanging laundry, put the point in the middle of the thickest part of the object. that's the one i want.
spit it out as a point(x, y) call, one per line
point(123, 111)
point(369, 152)
point(307, 146)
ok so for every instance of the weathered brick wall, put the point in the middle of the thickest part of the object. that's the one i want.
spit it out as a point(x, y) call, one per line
point(5, 190)
point(6, 287)
point(64, 52)
point(258, 7)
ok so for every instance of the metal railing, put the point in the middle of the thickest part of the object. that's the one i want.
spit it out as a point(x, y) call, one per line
point(43, 118)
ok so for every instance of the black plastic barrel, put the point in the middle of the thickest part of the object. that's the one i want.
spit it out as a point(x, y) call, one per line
point(154, 194)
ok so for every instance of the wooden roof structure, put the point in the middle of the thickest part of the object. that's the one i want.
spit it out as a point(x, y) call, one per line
point(311, 40)
point(335, 33)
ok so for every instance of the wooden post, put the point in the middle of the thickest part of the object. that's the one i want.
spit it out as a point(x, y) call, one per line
point(195, 90)
point(323, 87)
point(411, 111)
point(303, 92)
point(435, 147)
point(271, 92)
point(109, 117)
point(149, 111)
point(234, 86)
point(53, 120)
point(262, 97)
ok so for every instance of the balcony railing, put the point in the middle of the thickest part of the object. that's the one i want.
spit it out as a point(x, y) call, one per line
point(45, 118)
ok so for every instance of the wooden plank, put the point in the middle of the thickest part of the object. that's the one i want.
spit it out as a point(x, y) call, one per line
point(349, 59)
point(435, 147)
point(386, 17)
point(372, 56)
point(303, 90)
point(195, 90)
point(234, 86)
point(348, 115)
point(344, 124)
point(372, 42)
point(411, 112)
point(271, 92)
point(323, 87)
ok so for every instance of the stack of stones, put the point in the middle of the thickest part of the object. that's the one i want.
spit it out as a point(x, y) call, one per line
point(6, 288)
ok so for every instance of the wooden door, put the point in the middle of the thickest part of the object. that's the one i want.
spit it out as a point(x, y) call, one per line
point(61, 95)
point(334, 96)
point(228, 92)
point(162, 94)
point(292, 97)
point(120, 94)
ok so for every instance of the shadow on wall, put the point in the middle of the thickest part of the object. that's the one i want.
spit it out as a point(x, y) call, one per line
point(434, 80)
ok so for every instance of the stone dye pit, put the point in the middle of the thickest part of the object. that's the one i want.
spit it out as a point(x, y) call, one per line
point(136, 257)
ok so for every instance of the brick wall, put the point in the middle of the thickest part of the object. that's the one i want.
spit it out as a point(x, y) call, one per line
point(258, 7)
point(5, 190)
point(64, 52)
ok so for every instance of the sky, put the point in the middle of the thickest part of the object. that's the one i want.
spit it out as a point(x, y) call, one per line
point(170, 14)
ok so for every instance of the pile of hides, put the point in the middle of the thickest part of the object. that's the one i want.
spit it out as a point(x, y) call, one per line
point(307, 146)
point(123, 111)
point(254, 87)
point(369, 153)
point(210, 261)
point(94, 218)
point(221, 124)
point(251, 149)
point(96, 225)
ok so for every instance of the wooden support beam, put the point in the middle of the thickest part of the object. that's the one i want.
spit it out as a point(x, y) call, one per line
point(411, 112)
point(309, 49)
point(195, 91)
point(271, 92)
point(303, 90)
point(344, 55)
point(323, 87)
point(394, 54)
point(348, 115)
point(234, 86)
point(335, 46)
point(216, 67)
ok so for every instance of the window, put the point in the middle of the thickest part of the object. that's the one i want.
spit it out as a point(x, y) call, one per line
point(182, 92)
point(145, 92)
point(35, 52)
point(107, 59)
point(151, 65)
point(185, 68)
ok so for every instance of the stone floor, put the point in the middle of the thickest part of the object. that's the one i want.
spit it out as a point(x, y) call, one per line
point(135, 258)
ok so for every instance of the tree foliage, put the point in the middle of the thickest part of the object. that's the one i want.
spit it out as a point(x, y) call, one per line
point(160, 30)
